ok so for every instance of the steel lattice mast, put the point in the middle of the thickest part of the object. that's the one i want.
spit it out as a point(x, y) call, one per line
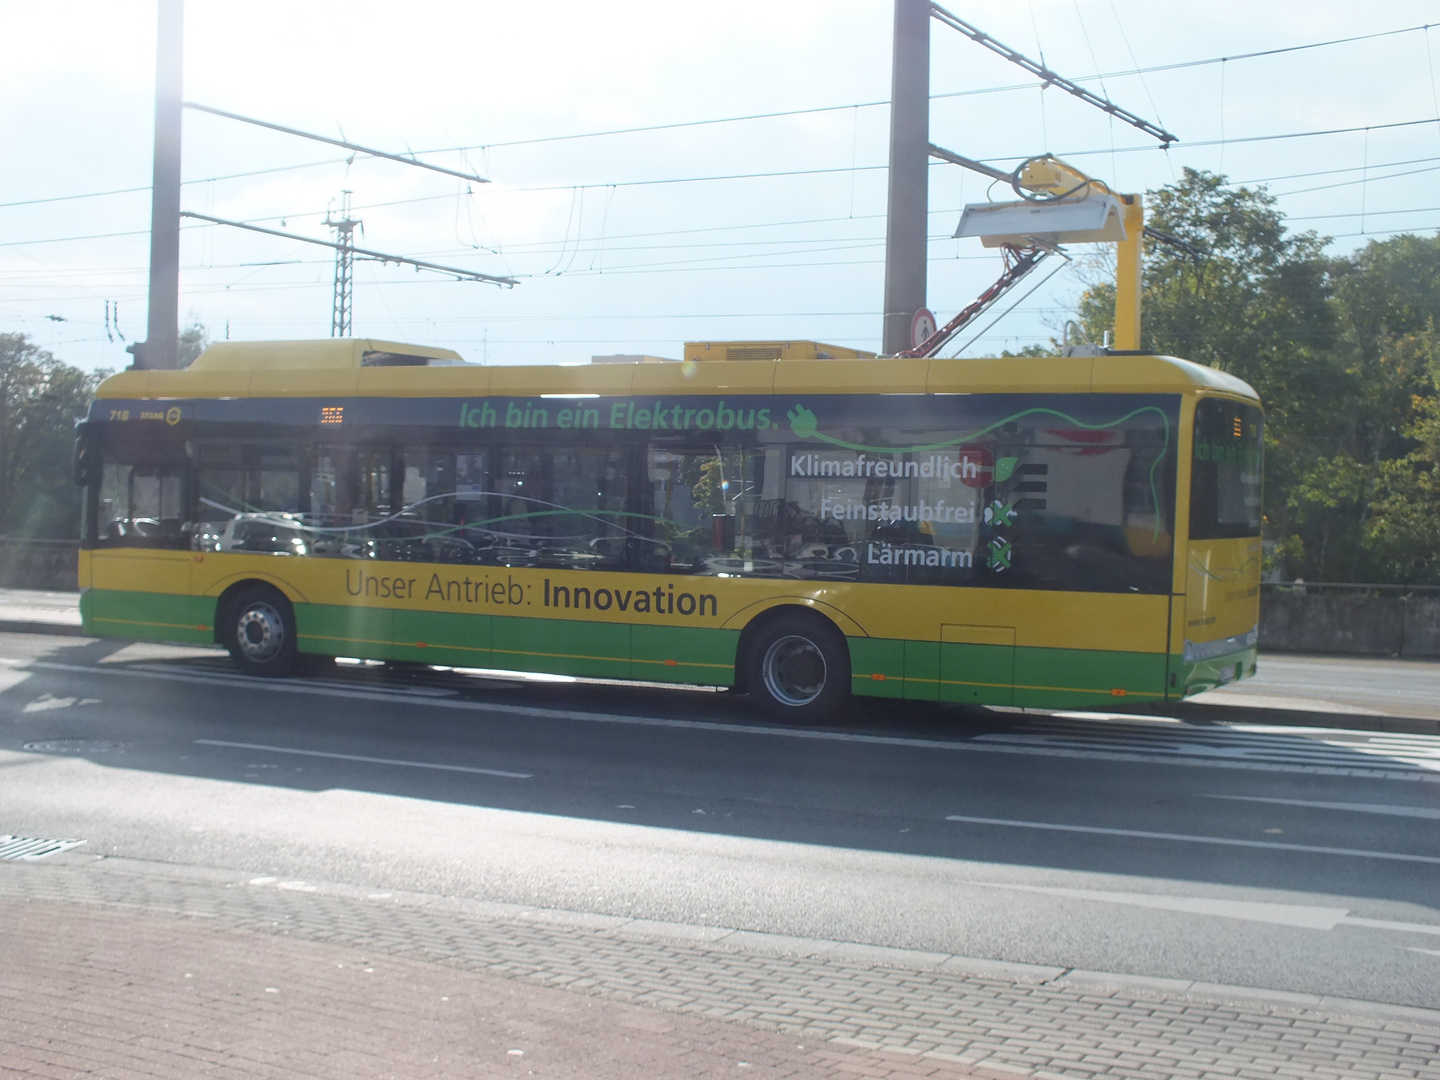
point(342, 307)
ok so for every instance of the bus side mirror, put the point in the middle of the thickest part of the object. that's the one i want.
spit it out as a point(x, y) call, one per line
point(86, 462)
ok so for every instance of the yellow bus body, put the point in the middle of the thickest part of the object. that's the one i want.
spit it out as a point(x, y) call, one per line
point(970, 644)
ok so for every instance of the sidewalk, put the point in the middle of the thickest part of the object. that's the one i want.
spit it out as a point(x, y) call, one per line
point(123, 968)
point(30, 611)
point(86, 991)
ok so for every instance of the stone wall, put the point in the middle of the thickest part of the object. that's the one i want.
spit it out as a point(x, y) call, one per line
point(1350, 623)
point(39, 564)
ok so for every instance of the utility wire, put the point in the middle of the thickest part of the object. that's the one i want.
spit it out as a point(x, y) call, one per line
point(378, 256)
point(717, 177)
point(1048, 77)
point(1362, 180)
point(956, 93)
point(1229, 142)
point(756, 116)
point(1332, 172)
point(1365, 213)
point(410, 160)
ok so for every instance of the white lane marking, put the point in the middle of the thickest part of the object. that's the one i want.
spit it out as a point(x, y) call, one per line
point(244, 680)
point(1223, 841)
point(1298, 915)
point(363, 758)
point(1383, 924)
point(1427, 952)
point(1332, 765)
point(1358, 808)
point(1302, 916)
point(48, 702)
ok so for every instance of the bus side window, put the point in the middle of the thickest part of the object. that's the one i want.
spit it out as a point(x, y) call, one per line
point(841, 507)
point(554, 506)
point(239, 480)
point(707, 512)
point(434, 503)
point(350, 485)
point(524, 495)
point(590, 483)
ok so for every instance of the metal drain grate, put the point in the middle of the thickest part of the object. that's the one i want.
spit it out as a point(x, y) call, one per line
point(33, 847)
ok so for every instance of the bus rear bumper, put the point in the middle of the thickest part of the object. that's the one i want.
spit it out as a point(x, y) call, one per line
point(1207, 665)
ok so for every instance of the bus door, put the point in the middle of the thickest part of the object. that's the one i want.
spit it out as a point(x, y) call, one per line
point(135, 571)
point(1221, 619)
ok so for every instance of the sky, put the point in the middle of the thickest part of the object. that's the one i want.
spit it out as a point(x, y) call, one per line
point(753, 208)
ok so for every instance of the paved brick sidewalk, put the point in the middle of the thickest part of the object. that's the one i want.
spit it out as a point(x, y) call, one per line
point(591, 990)
point(88, 991)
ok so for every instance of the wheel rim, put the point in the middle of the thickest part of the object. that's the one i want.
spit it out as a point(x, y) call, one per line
point(794, 670)
point(260, 633)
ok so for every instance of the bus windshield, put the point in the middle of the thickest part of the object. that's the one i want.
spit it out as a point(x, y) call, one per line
point(1225, 478)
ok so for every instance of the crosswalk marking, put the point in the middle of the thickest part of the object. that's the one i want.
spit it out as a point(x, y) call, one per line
point(1409, 755)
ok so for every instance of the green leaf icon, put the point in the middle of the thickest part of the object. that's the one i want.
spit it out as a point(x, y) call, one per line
point(802, 422)
point(1004, 469)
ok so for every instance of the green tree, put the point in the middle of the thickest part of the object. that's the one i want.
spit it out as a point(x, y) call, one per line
point(1258, 303)
point(193, 340)
point(1401, 524)
point(40, 400)
point(1343, 352)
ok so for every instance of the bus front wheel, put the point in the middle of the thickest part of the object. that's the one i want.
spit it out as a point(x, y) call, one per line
point(797, 669)
point(260, 632)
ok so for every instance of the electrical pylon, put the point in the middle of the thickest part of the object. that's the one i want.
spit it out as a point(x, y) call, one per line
point(343, 304)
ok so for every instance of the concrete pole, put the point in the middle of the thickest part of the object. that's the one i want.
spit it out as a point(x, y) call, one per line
point(160, 349)
point(907, 223)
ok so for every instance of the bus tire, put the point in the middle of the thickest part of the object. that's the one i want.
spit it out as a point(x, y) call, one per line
point(797, 669)
point(259, 631)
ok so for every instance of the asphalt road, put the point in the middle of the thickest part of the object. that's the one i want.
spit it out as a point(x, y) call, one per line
point(1212, 845)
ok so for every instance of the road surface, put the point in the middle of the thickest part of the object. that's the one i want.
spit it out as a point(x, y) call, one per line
point(1303, 859)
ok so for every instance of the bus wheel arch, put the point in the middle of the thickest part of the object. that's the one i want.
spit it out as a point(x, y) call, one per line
point(794, 662)
point(230, 587)
point(255, 621)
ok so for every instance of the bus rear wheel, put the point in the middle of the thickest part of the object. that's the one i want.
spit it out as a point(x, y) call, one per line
point(797, 670)
point(260, 632)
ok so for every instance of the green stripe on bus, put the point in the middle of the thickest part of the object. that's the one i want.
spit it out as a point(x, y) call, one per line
point(148, 616)
point(558, 646)
point(881, 667)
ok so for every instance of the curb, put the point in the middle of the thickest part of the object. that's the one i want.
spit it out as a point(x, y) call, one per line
point(39, 626)
point(761, 943)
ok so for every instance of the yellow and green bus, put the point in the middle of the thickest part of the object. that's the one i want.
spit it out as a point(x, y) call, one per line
point(798, 522)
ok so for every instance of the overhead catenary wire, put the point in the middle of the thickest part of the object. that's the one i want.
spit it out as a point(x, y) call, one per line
point(1049, 77)
point(1229, 141)
point(669, 232)
point(776, 114)
point(1030, 85)
point(782, 173)
point(580, 244)
point(378, 256)
point(1334, 171)
point(369, 151)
